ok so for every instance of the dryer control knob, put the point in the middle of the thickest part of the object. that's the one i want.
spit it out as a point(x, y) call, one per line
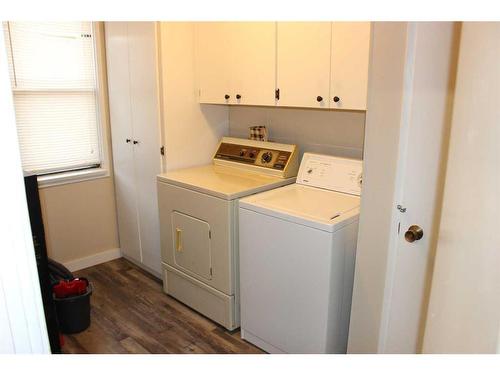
point(267, 157)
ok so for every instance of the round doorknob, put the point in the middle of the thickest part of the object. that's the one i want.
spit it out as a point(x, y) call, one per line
point(226, 96)
point(238, 96)
point(414, 233)
point(336, 99)
point(319, 98)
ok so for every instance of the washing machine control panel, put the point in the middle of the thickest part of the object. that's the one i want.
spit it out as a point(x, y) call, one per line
point(331, 173)
point(277, 157)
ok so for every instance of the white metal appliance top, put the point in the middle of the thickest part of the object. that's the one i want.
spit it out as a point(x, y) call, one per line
point(240, 167)
point(331, 173)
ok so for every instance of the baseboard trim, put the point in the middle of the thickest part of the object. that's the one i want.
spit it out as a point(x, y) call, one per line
point(92, 260)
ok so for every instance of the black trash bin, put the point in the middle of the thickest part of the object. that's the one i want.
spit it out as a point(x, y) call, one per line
point(73, 313)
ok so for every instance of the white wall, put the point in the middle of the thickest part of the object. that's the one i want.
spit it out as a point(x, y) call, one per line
point(383, 120)
point(191, 131)
point(464, 308)
point(339, 133)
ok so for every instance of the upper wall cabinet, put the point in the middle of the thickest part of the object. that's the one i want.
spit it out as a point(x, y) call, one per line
point(323, 64)
point(309, 64)
point(303, 64)
point(349, 69)
point(236, 62)
point(213, 61)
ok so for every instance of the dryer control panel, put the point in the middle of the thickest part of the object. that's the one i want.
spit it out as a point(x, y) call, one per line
point(276, 159)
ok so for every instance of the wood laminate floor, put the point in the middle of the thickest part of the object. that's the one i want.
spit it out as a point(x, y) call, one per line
point(131, 314)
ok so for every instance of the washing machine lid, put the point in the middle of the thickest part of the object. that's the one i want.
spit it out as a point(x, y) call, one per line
point(307, 205)
point(223, 182)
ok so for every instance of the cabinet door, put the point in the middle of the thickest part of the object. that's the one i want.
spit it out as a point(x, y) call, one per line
point(213, 62)
point(117, 56)
point(350, 55)
point(253, 63)
point(144, 112)
point(303, 63)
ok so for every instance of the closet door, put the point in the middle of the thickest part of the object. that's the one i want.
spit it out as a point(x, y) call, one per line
point(303, 64)
point(144, 112)
point(122, 135)
point(253, 62)
point(350, 55)
point(213, 62)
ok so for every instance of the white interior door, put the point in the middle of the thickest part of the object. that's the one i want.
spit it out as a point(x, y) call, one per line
point(22, 321)
point(464, 307)
point(303, 63)
point(429, 77)
point(144, 111)
point(117, 56)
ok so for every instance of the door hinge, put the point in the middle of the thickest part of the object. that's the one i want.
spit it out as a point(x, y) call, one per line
point(277, 94)
point(210, 234)
point(162, 150)
point(211, 271)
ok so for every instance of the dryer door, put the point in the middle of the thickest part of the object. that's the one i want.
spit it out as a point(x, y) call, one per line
point(191, 237)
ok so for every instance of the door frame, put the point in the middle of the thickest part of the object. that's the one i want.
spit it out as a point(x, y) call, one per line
point(390, 102)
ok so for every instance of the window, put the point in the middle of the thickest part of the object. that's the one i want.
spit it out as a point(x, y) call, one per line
point(54, 83)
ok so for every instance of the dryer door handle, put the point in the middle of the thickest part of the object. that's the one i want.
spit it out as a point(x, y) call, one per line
point(178, 239)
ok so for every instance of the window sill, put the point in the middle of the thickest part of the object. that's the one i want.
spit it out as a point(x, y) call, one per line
point(64, 178)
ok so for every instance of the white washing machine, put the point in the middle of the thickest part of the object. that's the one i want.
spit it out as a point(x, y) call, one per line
point(297, 252)
point(199, 222)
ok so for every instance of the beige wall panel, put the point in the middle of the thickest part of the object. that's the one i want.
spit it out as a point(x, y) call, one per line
point(79, 219)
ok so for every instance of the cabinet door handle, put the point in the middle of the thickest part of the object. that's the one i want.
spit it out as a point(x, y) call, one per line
point(319, 98)
point(136, 142)
point(226, 96)
point(238, 96)
point(127, 140)
point(178, 239)
point(336, 99)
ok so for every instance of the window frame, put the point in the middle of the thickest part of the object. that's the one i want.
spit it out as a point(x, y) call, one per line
point(102, 121)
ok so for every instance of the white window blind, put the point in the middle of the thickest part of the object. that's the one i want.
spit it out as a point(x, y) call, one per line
point(53, 75)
